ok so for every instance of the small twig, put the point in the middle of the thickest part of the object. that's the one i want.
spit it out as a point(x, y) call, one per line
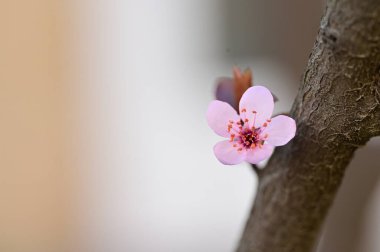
point(256, 169)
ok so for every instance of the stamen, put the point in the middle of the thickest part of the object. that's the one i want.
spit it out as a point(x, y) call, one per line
point(254, 118)
point(232, 137)
point(244, 119)
point(230, 129)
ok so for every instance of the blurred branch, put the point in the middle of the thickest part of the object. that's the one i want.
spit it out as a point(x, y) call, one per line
point(256, 169)
point(337, 110)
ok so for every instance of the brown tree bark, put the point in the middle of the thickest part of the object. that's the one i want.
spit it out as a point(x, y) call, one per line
point(337, 110)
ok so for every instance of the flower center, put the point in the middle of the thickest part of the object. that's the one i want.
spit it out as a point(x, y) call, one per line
point(249, 138)
point(244, 137)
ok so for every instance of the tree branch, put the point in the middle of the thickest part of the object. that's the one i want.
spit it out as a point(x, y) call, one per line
point(337, 110)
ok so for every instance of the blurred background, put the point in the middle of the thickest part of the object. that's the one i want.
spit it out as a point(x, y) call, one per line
point(103, 140)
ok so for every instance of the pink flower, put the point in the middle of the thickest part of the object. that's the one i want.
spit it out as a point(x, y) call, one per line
point(252, 134)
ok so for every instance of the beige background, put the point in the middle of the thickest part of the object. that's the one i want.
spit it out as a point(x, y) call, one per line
point(33, 185)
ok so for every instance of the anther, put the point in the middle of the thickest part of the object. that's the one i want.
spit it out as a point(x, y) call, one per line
point(229, 129)
point(232, 137)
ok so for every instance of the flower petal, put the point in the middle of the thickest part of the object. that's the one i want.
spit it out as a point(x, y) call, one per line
point(280, 130)
point(258, 103)
point(218, 116)
point(259, 154)
point(227, 154)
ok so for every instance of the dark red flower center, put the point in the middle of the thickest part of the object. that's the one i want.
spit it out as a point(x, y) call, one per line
point(249, 138)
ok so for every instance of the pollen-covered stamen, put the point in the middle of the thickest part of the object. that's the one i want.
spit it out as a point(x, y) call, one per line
point(246, 123)
point(232, 137)
point(230, 127)
point(254, 116)
point(243, 114)
point(267, 123)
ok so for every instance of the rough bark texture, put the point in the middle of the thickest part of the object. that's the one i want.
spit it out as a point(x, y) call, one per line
point(337, 110)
